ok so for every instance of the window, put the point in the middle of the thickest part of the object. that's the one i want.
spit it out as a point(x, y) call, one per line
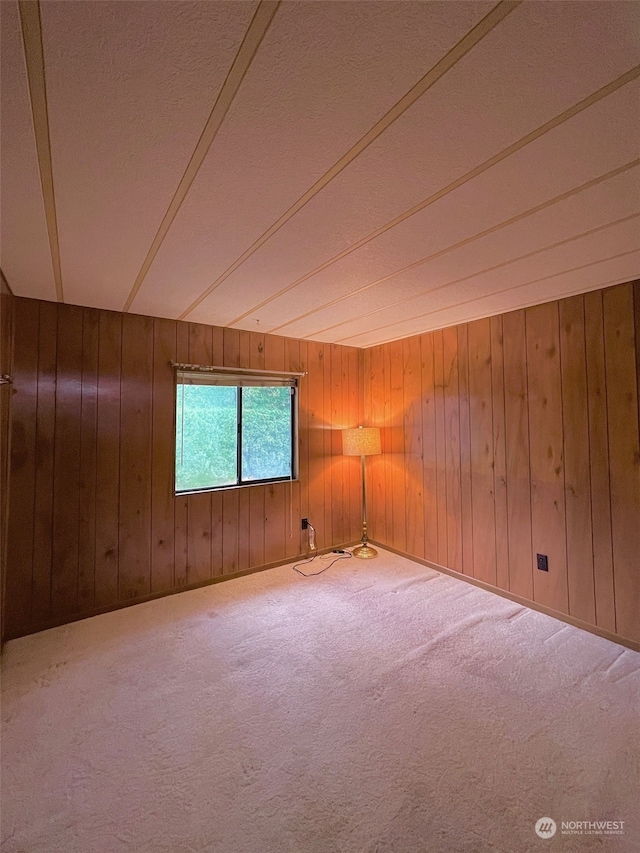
point(234, 429)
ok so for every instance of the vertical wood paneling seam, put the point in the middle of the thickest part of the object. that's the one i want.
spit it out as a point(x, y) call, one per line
point(506, 478)
point(95, 459)
point(444, 440)
point(152, 433)
point(606, 420)
point(504, 438)
point(404, 437)
point(151, 439)
point(424, 452)
point(444, 450)
point(119, 457)
point(493, 456)
point(635, 298)
point(528, 392)
point(82, 354)
point(53, 452)
point(174, 437)
point(593, 535)
point(35, 472)
point(564, 461)
point(473, 555)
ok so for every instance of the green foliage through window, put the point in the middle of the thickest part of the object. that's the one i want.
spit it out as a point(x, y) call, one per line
point(211, 419)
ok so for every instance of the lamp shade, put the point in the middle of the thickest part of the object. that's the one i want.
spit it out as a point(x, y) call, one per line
point(364, 441)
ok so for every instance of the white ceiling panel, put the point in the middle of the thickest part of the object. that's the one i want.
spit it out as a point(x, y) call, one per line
point(503, 89)
point(130, 87)
point(569, 283)
point(506, 193)
point(25, 255)
point(356, 171)
point(592, 143)
point(577, 215)
point(467, 283)
point(324, 75)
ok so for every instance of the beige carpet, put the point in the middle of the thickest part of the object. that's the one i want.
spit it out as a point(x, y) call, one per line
point(377, 708)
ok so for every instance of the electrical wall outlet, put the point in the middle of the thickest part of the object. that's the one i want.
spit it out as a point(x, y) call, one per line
point(543, 562)
point(305, 523)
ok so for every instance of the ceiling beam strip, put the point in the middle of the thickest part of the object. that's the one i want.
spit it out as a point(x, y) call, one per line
point(31, 27)
point(562, 117)
point(256, 31)
point(487, 231)
point(469, 41)
point(504, 289)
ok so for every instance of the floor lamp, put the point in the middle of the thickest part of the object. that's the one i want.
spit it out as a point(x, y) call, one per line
point(363, 441)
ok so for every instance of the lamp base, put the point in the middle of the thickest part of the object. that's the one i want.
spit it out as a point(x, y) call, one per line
point(364, 551)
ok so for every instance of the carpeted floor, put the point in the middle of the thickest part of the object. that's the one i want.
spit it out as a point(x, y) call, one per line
point(378, 708)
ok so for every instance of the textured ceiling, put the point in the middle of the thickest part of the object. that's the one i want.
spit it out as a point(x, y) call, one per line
point(354, 172)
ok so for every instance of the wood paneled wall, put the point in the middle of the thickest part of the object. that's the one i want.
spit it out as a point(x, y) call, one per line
point(93, 521)
point(517, 435)
point(6, 327)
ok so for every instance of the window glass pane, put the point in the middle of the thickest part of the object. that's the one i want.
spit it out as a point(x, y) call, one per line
point(266, 433)
point(206, 436)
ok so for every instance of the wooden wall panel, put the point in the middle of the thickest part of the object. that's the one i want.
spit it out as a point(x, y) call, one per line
point(441, 477)
point(482, 451)
point(429, 450)
point(316, 395)
point(94, 522)
point(134, 576)
point(465, 451)
point(44, 461)
point(338, 490)
point(517, 454)
point(6, 346)
point(304, 448)
point(66, 482)
point(552, 391)
point(452, 458)
point(386, 436)
point(548, 517)
point(624, 453)
point(163, 441)
point(328, 458)
point(108, 458)
point(374, 381)
point(87, 498)
point(18, 582)
point(599, 463)
point(398, 480)
point(530, 444)
point(412, 380)
point(362, 418)
point(499, 454)
point(636, 313)
point(577, 480)
point(353, 417)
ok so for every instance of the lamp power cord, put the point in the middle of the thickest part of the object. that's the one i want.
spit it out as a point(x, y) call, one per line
point(342, 555)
